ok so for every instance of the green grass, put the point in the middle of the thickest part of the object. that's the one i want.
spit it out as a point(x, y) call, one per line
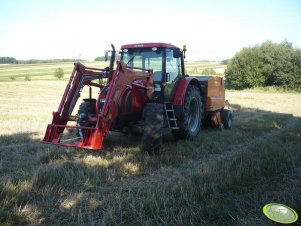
point(219, 178)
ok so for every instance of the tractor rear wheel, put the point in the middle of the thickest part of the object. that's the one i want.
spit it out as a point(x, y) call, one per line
point(153, 128)
point(191, 122)
point(226, 117)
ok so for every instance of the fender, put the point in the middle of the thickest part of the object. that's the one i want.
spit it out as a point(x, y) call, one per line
point(181, 89)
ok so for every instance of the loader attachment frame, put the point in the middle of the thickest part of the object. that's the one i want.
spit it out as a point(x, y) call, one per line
point(92, 137)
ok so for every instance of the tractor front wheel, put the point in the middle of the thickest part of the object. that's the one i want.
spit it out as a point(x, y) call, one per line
point(153, 128)
point(190, 124)
point(85, 109)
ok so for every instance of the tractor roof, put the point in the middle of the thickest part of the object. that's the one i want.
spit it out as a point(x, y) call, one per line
point(148, 45)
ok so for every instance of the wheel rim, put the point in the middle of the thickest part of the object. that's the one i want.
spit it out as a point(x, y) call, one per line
point(193, 115)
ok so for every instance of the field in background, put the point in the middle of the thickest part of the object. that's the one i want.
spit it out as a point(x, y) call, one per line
point(34, 72)
point(17, 72)
point(219, 178)
point(196, 68)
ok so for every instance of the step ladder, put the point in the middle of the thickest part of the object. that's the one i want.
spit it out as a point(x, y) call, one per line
point(170, 116)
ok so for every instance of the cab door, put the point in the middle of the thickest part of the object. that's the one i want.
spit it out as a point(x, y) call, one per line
point(172, 66)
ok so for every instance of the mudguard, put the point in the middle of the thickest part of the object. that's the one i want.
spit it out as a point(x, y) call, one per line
point(180, 92)
point(179, 96)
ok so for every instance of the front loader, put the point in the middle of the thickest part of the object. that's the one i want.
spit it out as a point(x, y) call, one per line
point(148, 91)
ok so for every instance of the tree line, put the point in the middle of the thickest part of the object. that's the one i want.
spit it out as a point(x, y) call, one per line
point(268, 64)
point(103, 58)
point(12, 60)
point(7, 60)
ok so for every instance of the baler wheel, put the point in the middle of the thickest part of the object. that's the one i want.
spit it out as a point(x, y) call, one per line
point(153, 128)
point(226, 117)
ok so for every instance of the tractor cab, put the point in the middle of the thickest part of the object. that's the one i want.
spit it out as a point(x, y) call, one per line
point(165, 60)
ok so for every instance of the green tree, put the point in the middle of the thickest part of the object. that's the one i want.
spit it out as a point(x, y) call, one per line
point(59, 73)
point(244, 70)
point(297, 68)
point(268, 64)
point(225, 62)
point(278, 60)
point(103, 58)
point(208, 71)
point(7, 60)
point(100, 58)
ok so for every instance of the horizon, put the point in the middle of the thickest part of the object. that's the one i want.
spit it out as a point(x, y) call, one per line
point(212, 30)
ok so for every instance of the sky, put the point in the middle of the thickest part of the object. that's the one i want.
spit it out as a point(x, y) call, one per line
point(211, 29)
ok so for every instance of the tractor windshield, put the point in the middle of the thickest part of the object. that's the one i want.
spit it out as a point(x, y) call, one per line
point(148, 58)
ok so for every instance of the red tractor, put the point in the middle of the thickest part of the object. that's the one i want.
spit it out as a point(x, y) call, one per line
point(147, 92)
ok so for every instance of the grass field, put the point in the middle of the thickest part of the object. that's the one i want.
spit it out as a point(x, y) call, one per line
point(12, 72)
point(219, 178)
point(34, 72)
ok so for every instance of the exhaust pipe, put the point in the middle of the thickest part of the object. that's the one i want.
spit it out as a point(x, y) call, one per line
point(112, 59)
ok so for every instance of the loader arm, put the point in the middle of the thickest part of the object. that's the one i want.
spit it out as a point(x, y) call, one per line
point(80, 76)
point(122, 79)
point(119, 80)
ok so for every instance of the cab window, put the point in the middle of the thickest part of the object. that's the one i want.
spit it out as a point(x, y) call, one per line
point(173, 66)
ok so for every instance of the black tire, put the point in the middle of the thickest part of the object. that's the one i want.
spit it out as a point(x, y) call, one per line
point(190, 124)
point(84, 110)
point(226, 117)
point(153, 128)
